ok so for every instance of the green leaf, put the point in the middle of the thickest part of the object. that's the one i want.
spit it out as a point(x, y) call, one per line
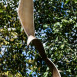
point(45, 74)
point(62, 46)
point(1, 10)
point(45, 26)
point(75, 25)
point(66, 1)
point(75, 1)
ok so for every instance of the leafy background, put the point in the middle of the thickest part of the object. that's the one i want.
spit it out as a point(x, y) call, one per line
point(55, 26)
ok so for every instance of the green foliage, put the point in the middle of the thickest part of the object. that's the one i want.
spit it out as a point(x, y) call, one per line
point(55, 24)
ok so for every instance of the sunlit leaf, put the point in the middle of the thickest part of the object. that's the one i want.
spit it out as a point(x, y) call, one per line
point(1, 10)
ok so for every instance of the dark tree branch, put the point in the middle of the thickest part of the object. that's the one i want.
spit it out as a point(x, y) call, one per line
point(39, 46)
